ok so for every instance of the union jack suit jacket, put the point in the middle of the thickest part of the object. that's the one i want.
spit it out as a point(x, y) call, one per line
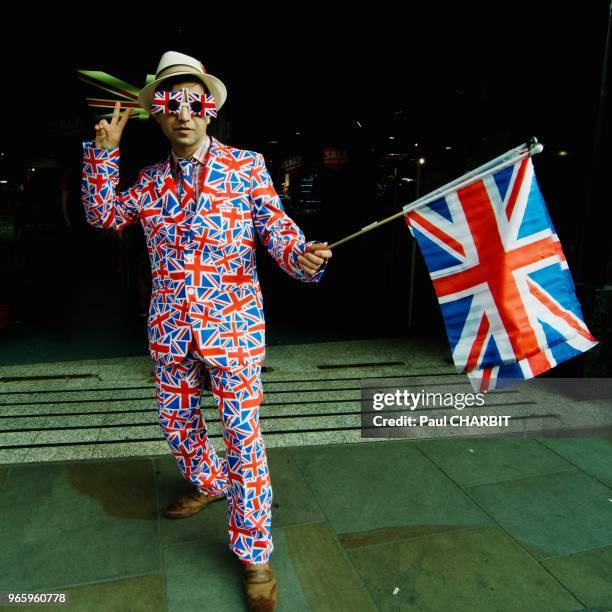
point(204, 277)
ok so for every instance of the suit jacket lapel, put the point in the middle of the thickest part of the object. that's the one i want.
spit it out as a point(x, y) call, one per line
point(166, 188)
point(214, 175)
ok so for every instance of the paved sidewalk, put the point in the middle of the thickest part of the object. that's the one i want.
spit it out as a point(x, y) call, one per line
point(464, 524)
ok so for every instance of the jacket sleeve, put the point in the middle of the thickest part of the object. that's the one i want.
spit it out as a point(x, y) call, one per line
point(104, 207)
point(283, 239)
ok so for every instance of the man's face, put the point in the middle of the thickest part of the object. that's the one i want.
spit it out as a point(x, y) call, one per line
point(184, 130)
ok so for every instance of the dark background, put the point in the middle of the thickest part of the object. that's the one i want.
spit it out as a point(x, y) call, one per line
point(465, 84)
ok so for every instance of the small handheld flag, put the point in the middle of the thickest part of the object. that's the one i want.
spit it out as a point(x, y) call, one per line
point(124, 92)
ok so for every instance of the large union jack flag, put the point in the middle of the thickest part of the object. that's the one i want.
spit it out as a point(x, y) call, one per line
point(507, 296)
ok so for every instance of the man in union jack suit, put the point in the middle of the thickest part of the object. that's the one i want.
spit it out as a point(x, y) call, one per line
point(201, 210)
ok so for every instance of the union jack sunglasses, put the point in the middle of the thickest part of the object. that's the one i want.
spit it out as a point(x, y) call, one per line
point(171, 103)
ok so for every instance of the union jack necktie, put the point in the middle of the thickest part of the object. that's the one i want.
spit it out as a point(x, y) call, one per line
point(186, 186)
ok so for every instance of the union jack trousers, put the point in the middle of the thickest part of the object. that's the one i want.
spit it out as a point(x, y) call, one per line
point(243, 473)
point(206, 309)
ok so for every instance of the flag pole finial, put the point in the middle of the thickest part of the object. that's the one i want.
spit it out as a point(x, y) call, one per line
point(534, 146)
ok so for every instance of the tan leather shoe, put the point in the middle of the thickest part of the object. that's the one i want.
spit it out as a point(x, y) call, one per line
point(191, 503)
point(260, 589)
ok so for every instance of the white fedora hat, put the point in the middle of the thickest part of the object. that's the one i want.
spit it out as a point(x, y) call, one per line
point(175, 64)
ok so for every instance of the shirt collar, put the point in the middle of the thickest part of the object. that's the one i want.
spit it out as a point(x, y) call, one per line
point(199, 154)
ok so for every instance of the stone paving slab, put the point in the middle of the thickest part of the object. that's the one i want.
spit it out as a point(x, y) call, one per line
point(377, 525)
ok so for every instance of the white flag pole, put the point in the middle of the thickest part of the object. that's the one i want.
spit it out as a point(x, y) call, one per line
point(470, 178)
point(507, 159)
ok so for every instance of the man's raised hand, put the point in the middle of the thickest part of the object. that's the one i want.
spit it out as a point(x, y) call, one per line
point(108, 135)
